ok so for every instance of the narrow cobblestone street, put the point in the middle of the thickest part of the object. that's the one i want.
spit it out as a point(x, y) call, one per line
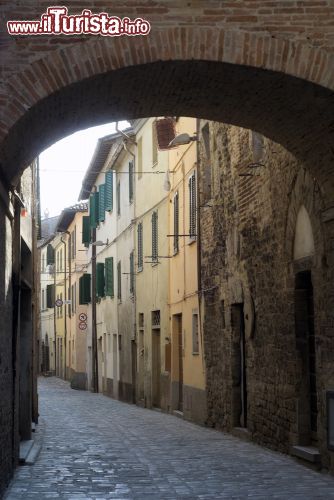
point(95, 447)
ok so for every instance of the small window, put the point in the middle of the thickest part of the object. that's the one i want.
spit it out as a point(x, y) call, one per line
point(140, 246)
point(156, 319)
point(195, 333)
point(141, 321)
point(43, 300)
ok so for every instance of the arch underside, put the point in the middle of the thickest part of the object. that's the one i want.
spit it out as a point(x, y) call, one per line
point(291, 111)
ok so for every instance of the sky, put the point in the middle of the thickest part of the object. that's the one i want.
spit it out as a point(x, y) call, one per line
point(63, 165)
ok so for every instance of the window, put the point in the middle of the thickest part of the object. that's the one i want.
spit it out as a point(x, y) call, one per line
point(50, 295)
point(192, 206)
point(73, 298)
point(85, 230)
point(109, 276)
point(69, 247)
point(140, 246)
point(176, 223)
point(57, 266)
point(156, 319)
point(109, 190)
point(109, 342)
point(131, 179)
point(94, 209)
point(195, 333)
point(100, 279)
point(43, 263)
point(84, 289)
point(140, 157)
point(155, 237)
point(61, 260)
point(154, 145)
point(132, 273)
point(118, 198)
point(141, 321)
point(119, 280)
point(50, 255)
point(102, 202)
point(43, 299)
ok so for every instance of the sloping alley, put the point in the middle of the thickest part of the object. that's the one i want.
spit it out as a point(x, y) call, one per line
point(94, 447)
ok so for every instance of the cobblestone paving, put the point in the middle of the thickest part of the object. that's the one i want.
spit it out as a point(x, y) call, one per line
point(97, 448)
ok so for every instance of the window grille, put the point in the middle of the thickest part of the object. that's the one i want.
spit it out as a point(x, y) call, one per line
point(132, 273)
point(155, 237)
point(131, 179)
point(156, 319)
point(192, 206)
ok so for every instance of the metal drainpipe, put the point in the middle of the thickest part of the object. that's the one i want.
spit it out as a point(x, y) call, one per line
point(65, 295)
point(54, 313)
point(95, 373)
point(199, 263)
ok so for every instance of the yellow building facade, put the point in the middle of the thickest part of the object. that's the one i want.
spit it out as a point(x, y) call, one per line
point(187, 355)
point(151, 268)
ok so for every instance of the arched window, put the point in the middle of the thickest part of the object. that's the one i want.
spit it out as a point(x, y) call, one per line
point(304, 241)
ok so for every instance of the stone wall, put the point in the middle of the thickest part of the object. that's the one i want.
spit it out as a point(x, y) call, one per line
point(7, 420)
point(250, 192)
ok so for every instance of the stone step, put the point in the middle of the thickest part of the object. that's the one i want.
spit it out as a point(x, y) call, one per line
point(33, 454)
point(309, 453)
point(25, 447)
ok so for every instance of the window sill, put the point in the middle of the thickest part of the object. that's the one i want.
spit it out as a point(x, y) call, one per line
point(192, 240)
point(195, 353)
point(140, 269)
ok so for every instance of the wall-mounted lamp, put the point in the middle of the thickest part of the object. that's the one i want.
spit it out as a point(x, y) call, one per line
point(182, 139)
point(100, 243)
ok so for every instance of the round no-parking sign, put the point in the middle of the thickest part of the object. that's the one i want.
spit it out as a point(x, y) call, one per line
point(82, 317)
point(82, 325)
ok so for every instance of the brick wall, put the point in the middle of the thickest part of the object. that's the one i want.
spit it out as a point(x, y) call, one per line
point(292, 37)
point(247, 241)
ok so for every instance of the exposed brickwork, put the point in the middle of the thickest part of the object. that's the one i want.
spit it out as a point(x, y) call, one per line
point(292, 37)
point(247, 247)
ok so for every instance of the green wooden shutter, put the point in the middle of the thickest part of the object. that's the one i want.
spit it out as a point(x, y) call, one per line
point(84, 289)
point(130, 181)
point(92, 216)
point(50, 255)
point(132, 273)
point(109, 276)
point(118, 198)
point(102, 202)
point(100, 279)
point(109, 191)
point(85, 230)
point(50, 296)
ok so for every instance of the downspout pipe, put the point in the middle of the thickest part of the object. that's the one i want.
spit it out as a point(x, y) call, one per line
point(65, 298)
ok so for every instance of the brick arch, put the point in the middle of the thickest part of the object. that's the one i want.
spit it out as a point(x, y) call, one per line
point(306, 191)
point(197, 71)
